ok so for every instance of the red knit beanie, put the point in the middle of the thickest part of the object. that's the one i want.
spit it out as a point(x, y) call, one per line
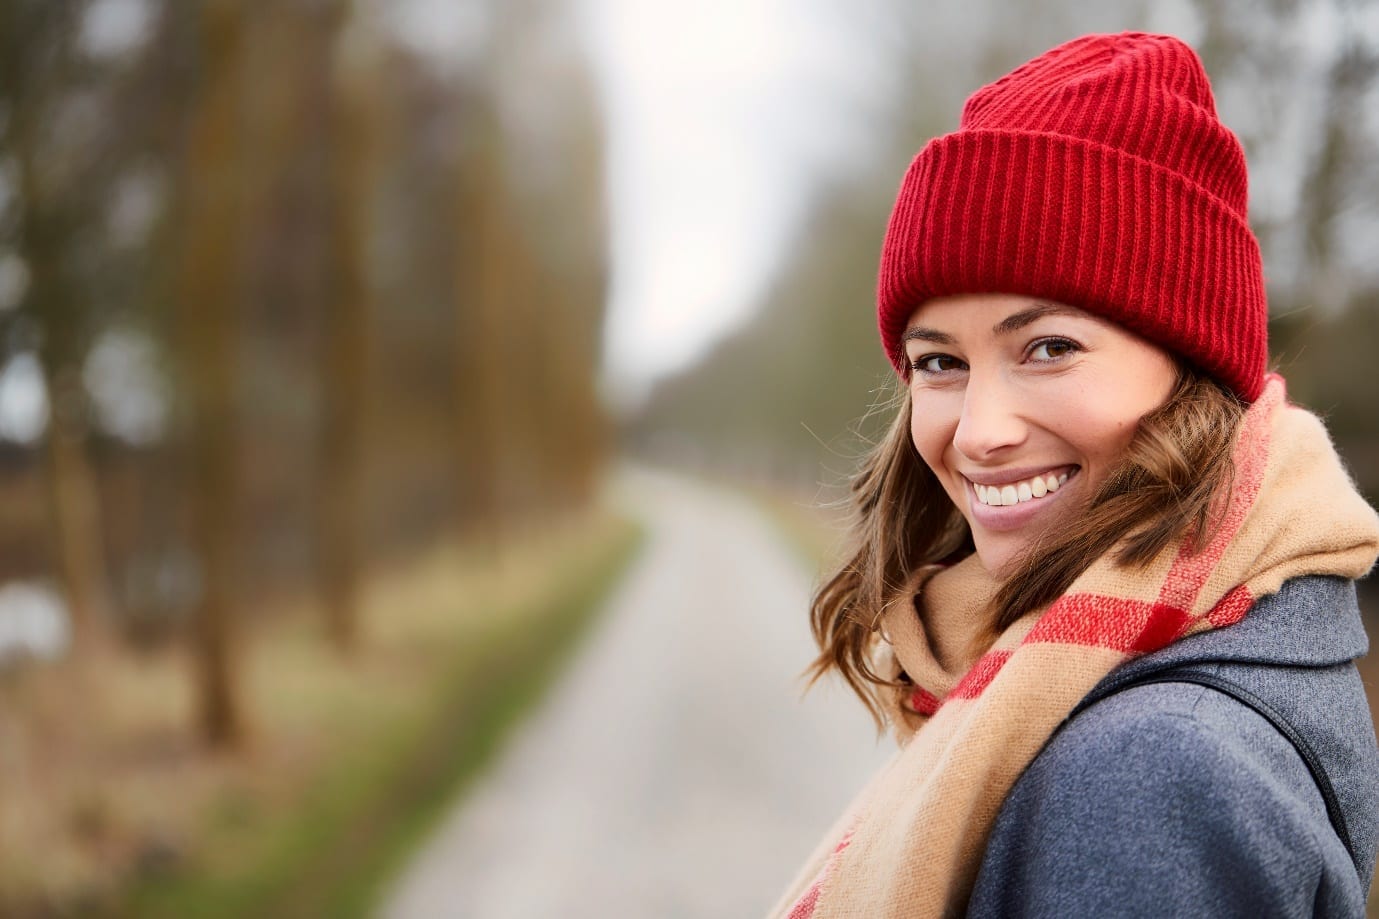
point(1096, 175)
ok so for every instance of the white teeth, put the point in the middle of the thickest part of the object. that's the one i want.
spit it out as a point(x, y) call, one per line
point(1019, 492)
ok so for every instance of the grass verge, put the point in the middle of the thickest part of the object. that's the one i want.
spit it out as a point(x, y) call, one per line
point(395, 758)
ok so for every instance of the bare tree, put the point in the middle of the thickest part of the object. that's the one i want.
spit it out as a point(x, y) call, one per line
point(39, 72)
point(351, 117)
point(487, 249)
point(208, 303)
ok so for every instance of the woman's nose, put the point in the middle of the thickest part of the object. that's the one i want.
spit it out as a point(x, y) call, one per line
point(991, 420)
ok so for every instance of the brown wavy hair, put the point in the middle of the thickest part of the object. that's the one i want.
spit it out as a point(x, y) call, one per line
point(1178, 459)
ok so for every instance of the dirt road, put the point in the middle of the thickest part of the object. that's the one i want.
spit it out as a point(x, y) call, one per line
point(675, 771)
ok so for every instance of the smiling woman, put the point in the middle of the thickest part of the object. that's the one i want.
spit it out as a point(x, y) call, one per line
point(1093, 490)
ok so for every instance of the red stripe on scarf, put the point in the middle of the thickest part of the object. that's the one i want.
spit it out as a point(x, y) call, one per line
point(924, 702)
point(1098, 621)
point(1190, 571)
point(980, 676)
point(1232, 608)
point(804, 906)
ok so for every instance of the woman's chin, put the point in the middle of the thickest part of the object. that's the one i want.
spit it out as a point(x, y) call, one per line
point(1001, 553)
point(999, 561)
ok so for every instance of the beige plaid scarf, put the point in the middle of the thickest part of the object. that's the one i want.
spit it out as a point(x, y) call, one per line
point(911, 842)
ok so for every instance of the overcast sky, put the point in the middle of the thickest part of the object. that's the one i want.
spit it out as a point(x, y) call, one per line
point(721, 114)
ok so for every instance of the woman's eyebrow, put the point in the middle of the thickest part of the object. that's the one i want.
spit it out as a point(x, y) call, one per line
point(1023, 318)
point(920, 333)
point(1011, 323)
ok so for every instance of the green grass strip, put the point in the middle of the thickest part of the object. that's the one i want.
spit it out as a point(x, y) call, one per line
point(356, 829)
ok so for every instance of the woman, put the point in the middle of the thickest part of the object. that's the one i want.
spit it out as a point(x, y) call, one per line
point(1103, 587)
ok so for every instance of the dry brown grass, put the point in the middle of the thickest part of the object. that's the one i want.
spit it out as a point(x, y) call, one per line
point(103, 780)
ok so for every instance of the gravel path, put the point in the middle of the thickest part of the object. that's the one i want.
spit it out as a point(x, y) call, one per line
point(674, 772)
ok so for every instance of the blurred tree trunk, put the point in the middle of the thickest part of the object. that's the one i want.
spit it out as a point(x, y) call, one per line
point(74, 497)
point(27, 80)
point(483, 292)
point(532, 303)
point(208, 305)
point(555, 298)
point(73, 494)
point(346, 97)
point(582, 293)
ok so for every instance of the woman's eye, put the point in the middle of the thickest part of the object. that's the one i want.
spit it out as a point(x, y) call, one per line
point(1051, 349)
point(936, 363)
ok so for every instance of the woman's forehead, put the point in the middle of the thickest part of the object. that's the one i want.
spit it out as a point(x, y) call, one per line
point(1004, 312)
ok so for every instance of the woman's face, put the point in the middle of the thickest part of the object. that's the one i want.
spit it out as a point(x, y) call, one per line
point(1022, 406)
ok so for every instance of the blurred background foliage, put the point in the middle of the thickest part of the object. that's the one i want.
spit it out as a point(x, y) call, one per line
point(286, 304)
point(280, 304)
point(275, 303)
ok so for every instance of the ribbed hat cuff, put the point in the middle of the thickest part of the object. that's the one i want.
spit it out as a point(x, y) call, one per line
point(1056, 217)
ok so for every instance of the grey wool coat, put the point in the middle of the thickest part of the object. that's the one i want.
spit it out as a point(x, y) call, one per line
point(1174, 799)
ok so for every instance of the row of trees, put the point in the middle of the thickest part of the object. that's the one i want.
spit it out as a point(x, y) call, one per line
point(318, 256)
point(1303, 108)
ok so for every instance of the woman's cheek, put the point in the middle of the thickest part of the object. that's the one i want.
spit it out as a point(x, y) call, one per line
point(930, 428)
